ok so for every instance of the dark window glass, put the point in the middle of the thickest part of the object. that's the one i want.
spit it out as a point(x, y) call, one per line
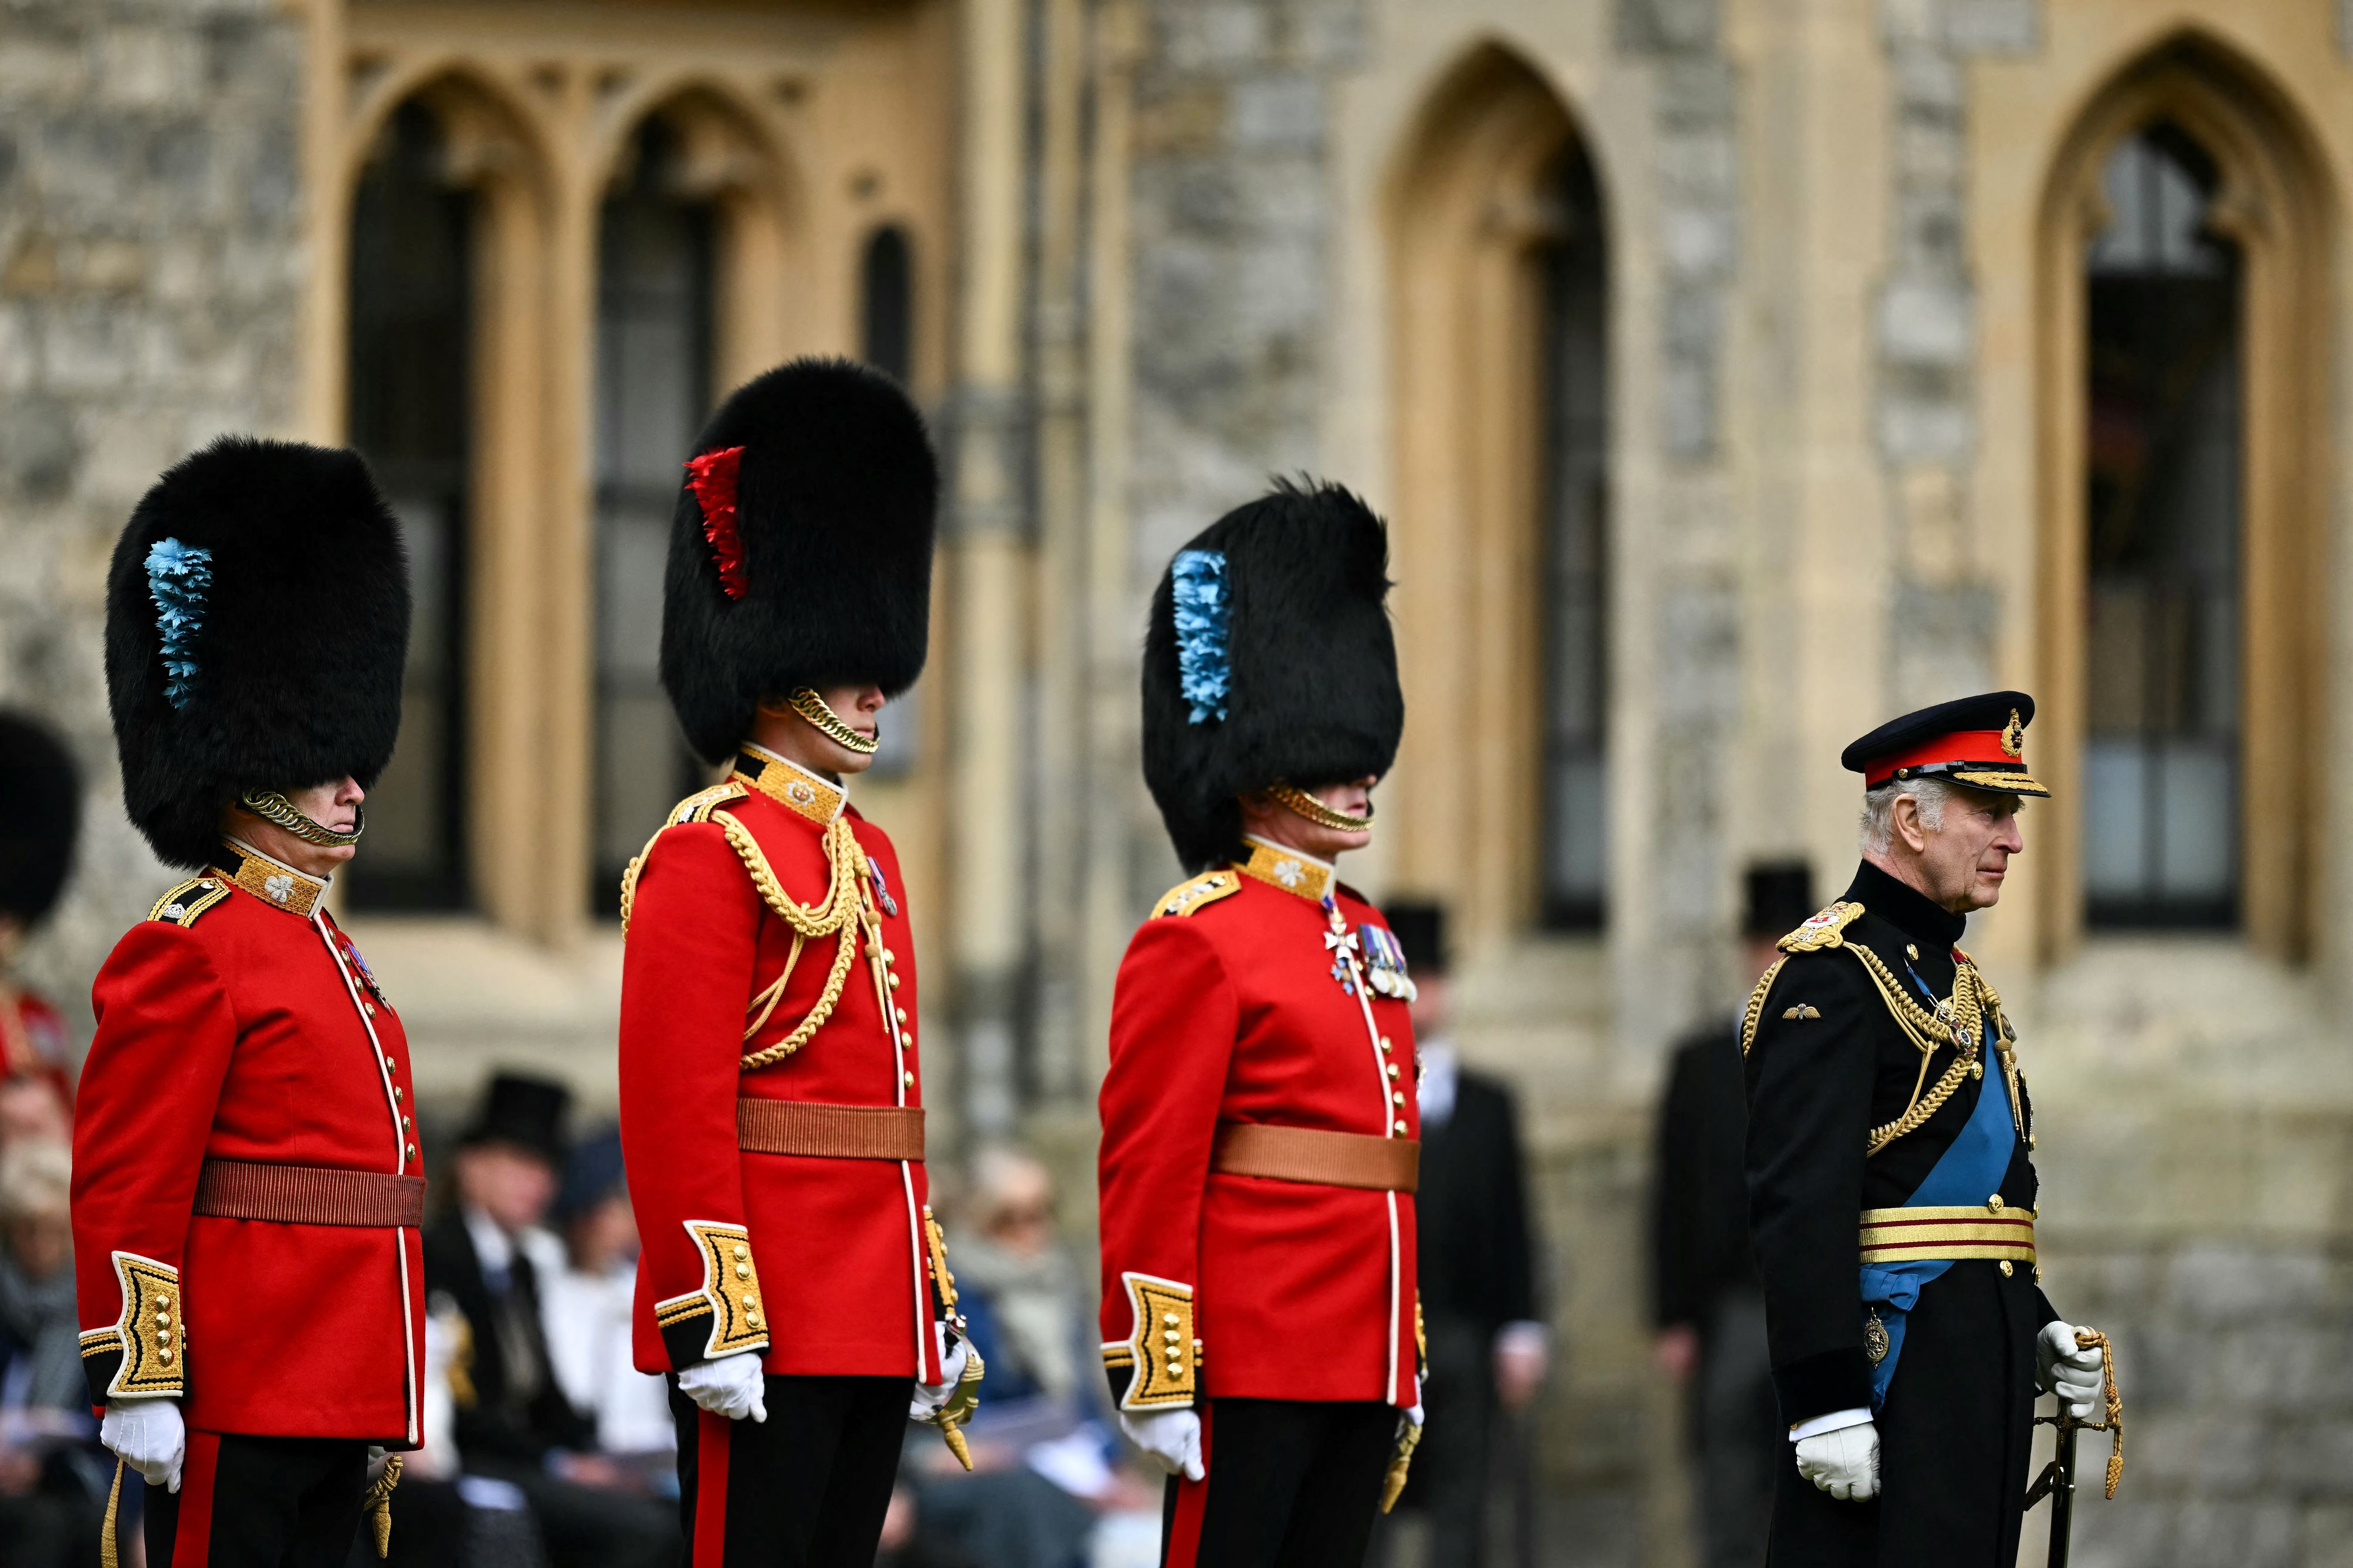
point(1576, 535)
point(2162, 496)
point(653, 391)
point(410, 407)
point(887, 303)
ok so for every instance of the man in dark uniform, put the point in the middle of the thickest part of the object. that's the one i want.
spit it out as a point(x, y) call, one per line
point(1706, 1303)
point(1892, 1187)
point(1489, 1350)
point(770, 1107)
point(245, 1194)
point(489, 1256)
point(1259, 1118)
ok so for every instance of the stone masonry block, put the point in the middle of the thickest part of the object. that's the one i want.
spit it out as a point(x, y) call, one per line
point(1276, 113)
point(1665, 26)
point(1927, 321)
point(2317, 1460)
point(1929, 86)
point(2329, 1536)
point(2241, 1534)
point(2219, 1285)
point(149, 68)
point(1994, 26)
point(1194, 36)
point(1694, 92)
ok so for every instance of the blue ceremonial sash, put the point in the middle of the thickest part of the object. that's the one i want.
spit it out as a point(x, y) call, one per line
point(1971, 1169)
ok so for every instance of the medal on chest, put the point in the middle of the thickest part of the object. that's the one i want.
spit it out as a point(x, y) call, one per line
point(881, 887)
point(359, 967)
point(1385, 969)
point(1342, 944)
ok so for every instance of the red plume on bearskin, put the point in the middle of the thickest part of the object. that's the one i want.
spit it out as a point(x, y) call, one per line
point(712, 479)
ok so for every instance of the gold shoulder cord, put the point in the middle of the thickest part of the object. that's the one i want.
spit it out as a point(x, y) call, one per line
point(841, 914)
point(1972, 1002)
point(1749, 1020)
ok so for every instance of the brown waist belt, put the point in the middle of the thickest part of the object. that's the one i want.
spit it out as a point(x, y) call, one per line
point(307, 1194)
point(830, 1131)
point(1309, 1155)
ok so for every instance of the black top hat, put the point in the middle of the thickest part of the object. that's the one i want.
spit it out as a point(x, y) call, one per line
point(800, 550)
point(40, 815)
point(524, 1111)
point(1420, 930)
point(257, 624)
point(1268, 660)
point(1780, 898)
point(1975, 741)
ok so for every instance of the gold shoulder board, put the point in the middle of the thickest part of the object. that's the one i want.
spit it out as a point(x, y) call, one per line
point(192, 898)
point(1823, 931)
point(1198, 893)
point(698, 807)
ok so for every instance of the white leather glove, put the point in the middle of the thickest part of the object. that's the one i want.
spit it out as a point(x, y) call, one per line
point(2070, 1371)
point(378, 1458)
point(148, 1436)
point(1845, 1463)
point(931, 1397)
point(1172, 1437)
point(730, 1386)
point(1408, 1419)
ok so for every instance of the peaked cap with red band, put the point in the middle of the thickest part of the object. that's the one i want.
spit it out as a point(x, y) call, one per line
point(1979, 741)
point(801, 549)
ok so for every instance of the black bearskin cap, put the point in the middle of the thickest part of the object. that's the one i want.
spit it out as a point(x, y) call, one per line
point(1305, 658)
point(803, 559)
point(40, 813)
point(257, 624)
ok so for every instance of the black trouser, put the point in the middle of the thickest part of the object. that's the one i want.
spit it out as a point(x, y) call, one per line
point(806, 1489)
point(1290, 1483)
point(1736, 1424)
point(1452, 1467)
point(259, 1503)
point(1954, 1440)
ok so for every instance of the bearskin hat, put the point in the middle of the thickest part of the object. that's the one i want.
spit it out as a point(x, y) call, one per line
point(801, 550)
point(40, 813)
point(257, 624)
point(1268, 660)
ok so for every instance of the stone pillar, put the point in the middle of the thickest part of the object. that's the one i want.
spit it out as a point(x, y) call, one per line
point(152, 268)
point(985, 575)
point(1679, 641)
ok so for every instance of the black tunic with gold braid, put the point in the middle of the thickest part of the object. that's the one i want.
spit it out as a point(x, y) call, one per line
point(1848, 1113)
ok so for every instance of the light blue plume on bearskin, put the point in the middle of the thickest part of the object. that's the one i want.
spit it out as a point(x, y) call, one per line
point(1203, 606)
point(179, 578)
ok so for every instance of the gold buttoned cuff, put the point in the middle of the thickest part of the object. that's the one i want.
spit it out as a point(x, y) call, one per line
point(730, 1296)
point(151, 1335)
point(1161, 1355)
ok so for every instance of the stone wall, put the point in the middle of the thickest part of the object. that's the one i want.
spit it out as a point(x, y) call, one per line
point(150, 273)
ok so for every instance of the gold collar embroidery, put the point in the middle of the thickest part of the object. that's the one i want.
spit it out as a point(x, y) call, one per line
point(1287, 868)
point(791, 785)
point(274, 882)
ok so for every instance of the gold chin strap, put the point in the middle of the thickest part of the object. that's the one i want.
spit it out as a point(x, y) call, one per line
point(827, 722)
point(1298, 802)
point(271, 807)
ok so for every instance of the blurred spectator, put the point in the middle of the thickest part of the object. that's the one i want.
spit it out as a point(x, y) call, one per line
point(511, 1422)
point(1488, 1350)
point(588, 1306)
point(1707, 1303)
point(1043, 1459)
point(40, 815)
point(51, 1478)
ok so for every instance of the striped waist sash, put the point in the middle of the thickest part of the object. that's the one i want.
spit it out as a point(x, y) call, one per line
point(1946, 1234)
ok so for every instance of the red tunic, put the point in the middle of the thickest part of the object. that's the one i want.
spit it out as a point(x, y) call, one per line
point(837, 1248)
point(234, 1026)
point(1232, 1007)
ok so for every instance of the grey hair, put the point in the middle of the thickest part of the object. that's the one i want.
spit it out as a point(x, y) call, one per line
point(1879, 809)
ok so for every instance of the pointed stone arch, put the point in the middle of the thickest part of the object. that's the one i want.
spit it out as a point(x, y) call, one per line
point(491, 147)
point(1475, 217)
point(2274, 203)
point(730, 157)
